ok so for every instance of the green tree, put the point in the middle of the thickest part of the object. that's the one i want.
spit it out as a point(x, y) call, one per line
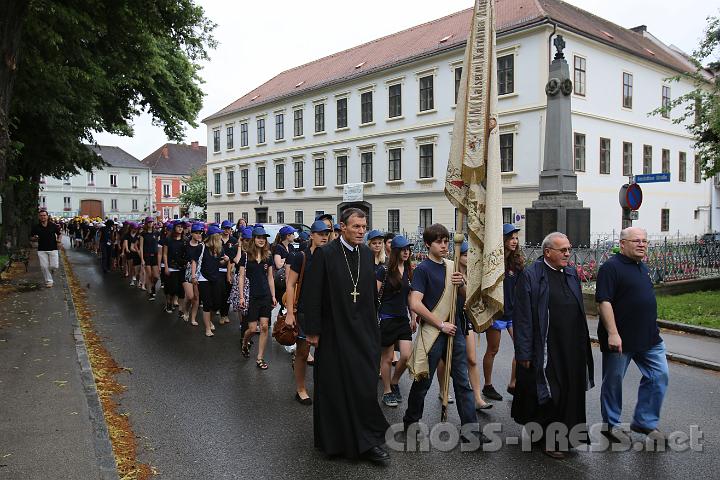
point(701, 106)
point(75, 67)
point(196, 193)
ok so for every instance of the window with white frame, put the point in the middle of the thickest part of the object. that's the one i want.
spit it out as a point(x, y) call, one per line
point(366, 167)
point(183, 188)
point(682, 167)
point(216, 176)
point(366, 107)
point(66, 203)
point(580, 75)
point(298, 174)
point(458, 76)
point(113, 180)
point(425, 218)
point(647, 159)
point(579, 148)
point(279, 126)
point(134, 181)
point(217, 215)
point(427, 161)
point(244, 134)
point(341, 169)
point(231, 216)
point(42, 201)
point(134, 205)
point(665, 102)
point(627, 90)
point(665, 220)
point(395, 100)
point(506, 152)
point(506, 74)
point(604, 155)
point(230, 137)
point(299, 216)
point(280, 217)
point(507, 215)
point(298, 122)
point(319, 117)
point(393, 221)
point(320, 172)
point(342, 113)
point(665, 160)
point(260, 131)
point(260, 179)
point(627, 159)
point(427, 100)
point(245, 216)
point(244, 180)
point(394, 164)
point(230, 177)
point(113, 204)
point(90, 178)
point(166, 190)
point(216, 140)
point(279, 176)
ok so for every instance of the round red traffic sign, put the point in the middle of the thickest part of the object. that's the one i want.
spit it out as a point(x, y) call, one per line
point(631, 196)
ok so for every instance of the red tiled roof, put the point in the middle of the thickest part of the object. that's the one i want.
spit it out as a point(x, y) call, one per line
point(426, 39)
point(176, 159)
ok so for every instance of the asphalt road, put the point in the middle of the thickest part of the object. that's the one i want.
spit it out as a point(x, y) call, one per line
point(200, 410)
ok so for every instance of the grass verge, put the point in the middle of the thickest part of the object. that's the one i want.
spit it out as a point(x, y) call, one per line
point(697, 308)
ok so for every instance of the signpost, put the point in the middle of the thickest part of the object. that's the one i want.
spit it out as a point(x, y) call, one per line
point(631, 195)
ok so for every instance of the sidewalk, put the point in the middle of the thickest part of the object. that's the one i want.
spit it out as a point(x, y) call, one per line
point(696, 350)
point(51, 423)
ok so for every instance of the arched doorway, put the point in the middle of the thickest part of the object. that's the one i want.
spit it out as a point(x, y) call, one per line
point(364, 206)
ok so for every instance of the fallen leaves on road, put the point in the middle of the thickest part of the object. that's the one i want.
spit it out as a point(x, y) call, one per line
point(105, 370)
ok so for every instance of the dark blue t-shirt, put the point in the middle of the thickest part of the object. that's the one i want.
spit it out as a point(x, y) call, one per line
point(210, 268)
point(394, 302)
point(150, 243)
point(509, 293)
point(626, 284)
point(256, 273)
point(429, 279)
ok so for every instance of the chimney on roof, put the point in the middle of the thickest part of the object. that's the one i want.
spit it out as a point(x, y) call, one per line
point(165, 152)
point(639, 29)
point(195, 145)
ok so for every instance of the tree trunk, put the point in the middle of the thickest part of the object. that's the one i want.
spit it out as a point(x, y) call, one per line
point(12, 18)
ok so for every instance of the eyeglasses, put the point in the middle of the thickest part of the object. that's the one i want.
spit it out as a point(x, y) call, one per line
point(562, 250)
point(638, 242)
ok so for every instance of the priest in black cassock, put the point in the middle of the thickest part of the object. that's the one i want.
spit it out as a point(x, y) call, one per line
point(340, 320)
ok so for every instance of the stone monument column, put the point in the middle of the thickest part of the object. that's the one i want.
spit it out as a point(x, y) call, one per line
point(558, 207)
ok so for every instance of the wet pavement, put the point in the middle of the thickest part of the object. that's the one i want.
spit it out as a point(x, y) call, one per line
point(201, 410)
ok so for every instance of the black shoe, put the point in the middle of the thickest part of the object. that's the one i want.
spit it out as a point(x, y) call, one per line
point(376, 455)
point(511, 390)
point(490, 392)
point(303, 401)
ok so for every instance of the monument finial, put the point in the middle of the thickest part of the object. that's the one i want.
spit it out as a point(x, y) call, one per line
point(559, 43)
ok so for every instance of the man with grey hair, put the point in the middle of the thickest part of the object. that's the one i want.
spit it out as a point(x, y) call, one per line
point(552, 345)
point(628, 331)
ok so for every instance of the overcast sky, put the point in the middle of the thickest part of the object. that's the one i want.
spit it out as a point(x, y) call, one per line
point(258, 40)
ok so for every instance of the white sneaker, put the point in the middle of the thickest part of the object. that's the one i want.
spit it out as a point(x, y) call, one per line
point(132, 282)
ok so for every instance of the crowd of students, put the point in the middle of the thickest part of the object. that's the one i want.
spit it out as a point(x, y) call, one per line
point(212, 269)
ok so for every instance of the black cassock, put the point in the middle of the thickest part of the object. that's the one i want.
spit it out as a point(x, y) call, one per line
point(347, 418)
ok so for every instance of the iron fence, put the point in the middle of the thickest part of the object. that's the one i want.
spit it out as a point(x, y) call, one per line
point(668, 259)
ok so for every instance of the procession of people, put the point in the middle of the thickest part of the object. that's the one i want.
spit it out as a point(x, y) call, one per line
point(365, 313)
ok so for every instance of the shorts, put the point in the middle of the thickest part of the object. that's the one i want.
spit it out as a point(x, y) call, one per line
point(502, 324)
point(260, 307)
point(173, 284)
point(393, 329)
point(211, 295)
point(151, 260)
point(135, 258)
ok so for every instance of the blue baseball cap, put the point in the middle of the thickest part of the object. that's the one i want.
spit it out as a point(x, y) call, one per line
point(464, 247)
point(287, 230)
point(227, 224)
point(374, 234)
point(304, 236)
point(259, 232)
point(247, 233)
point(213, 229)
point(400, 242)
point(336, 227)
point(509, 228)
point(197, 227)
point(319, 226)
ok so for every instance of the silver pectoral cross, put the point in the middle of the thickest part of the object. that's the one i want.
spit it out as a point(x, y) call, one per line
point(355, 294)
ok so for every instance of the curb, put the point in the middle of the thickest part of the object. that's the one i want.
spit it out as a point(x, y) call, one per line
point(101, 440)
point(679, 358)
point(696, 329)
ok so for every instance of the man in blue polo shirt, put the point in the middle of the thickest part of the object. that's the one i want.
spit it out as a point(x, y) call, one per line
point(628, 331)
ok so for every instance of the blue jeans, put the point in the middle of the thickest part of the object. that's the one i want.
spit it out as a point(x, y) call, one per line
point(653, 366)
point(464, 397)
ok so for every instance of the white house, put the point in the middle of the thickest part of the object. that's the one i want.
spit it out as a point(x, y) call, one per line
point(380, 114)
point(120, 190)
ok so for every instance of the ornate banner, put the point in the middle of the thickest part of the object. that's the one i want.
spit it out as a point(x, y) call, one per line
point(472, 183)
